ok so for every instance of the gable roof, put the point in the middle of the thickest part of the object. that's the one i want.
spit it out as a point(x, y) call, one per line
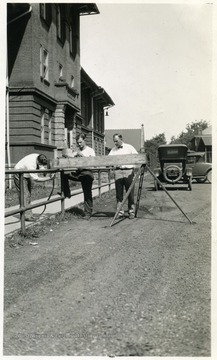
point(207, 140)
point(130, 136)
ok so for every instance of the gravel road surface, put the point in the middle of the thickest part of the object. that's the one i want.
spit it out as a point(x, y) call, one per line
point(139, 288)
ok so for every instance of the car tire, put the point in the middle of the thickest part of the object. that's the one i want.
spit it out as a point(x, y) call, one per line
point(173, 167)
point(209, 176)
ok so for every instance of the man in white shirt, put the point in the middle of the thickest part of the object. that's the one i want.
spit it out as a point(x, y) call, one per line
point(124, 175)
point(30, 162)
point(85, 176)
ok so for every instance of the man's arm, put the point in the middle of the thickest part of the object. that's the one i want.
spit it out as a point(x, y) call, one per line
point(37, 178)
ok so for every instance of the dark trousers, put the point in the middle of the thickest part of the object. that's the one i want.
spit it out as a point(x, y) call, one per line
point(86, 183)
point(121, 183)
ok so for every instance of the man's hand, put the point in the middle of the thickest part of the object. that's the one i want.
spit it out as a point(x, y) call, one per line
point(79, 154)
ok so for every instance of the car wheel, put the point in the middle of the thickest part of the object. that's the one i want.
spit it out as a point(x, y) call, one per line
point(209, 176)
point(168, 169)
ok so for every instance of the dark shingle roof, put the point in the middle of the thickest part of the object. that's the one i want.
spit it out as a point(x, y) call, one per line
point(130, 136)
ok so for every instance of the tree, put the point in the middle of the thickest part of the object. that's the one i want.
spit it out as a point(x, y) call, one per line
point(192, 129)
point(152, 144)
point(151, 147)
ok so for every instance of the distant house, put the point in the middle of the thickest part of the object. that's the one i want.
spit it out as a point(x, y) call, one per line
point(203, 142)
point(50, 97)
point(135, 137)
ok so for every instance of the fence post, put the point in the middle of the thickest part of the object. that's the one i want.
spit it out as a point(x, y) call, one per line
point(99, 182)
point(109, 180)
point(22, 203)
point(62, 192)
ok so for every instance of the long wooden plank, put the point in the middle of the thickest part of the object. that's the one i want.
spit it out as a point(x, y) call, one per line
point(99, 161)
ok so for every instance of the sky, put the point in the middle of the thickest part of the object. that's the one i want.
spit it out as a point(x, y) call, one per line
point(155, 62)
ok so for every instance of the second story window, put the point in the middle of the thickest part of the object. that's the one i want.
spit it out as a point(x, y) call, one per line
point(73, 36)
point(60, 71)
point(60, 24)
point(44, 68)
point(46, 12)
point(72, 81)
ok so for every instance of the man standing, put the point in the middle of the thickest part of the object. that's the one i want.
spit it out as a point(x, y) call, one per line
point(30, 162)
point(124, 175)
point(85, 176)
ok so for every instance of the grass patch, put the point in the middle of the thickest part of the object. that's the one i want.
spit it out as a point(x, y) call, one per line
point(39, 191)
point(46, 224)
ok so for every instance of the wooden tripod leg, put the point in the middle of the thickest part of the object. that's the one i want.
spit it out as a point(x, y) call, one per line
point(142, 170)
point(159, 182)
point(126, 196)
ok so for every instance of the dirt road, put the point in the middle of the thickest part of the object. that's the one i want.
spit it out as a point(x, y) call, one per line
point(140, 287)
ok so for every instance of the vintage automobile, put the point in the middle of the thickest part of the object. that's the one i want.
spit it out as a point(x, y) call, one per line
point(201, 170)
point(173, 167)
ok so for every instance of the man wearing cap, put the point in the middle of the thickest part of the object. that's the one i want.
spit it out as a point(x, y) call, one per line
point(30, 162)
point(124, 175)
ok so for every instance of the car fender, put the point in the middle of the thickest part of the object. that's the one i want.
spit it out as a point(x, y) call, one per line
point(188, 171)
point(201, 169)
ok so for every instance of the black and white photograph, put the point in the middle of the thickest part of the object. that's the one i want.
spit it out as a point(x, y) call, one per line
point(108, 194)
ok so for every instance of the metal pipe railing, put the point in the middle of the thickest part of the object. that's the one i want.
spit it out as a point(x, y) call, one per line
point(22, 209)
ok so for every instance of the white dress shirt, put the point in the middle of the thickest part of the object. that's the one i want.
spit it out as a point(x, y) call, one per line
point(124, 150)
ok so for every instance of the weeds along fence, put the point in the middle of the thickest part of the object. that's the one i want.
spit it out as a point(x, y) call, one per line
point(100, 177)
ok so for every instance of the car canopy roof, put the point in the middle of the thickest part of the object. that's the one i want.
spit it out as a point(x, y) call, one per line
point(172, 152)
point(196, 153)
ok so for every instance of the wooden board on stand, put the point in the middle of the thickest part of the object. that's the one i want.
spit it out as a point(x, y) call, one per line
point(99, 161)
point(115, 161)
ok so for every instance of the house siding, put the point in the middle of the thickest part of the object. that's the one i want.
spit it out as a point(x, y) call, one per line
point(24, 77)
point(30, 94)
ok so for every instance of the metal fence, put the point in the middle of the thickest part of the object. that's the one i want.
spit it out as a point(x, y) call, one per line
point(22, 209)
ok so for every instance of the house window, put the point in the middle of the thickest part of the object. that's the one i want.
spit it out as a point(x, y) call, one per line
point(42, 125)
point(73, 37)
point(72, 81)
point(68, 138)
point(60, 71)
point(60, 24)
point(43, 11)
point(50, 127)
point(44, 64)
point(46, 12)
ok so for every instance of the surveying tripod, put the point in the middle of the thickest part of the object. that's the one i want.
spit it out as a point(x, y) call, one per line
point(140, 175)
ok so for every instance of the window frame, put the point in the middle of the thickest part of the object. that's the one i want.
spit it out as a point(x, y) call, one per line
point(60, 71)
point(60, 24)
point(72, 81)
point(44, 63)
point(50, 117)
point(42, 129)
point(46, 12)
point(73, 36)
